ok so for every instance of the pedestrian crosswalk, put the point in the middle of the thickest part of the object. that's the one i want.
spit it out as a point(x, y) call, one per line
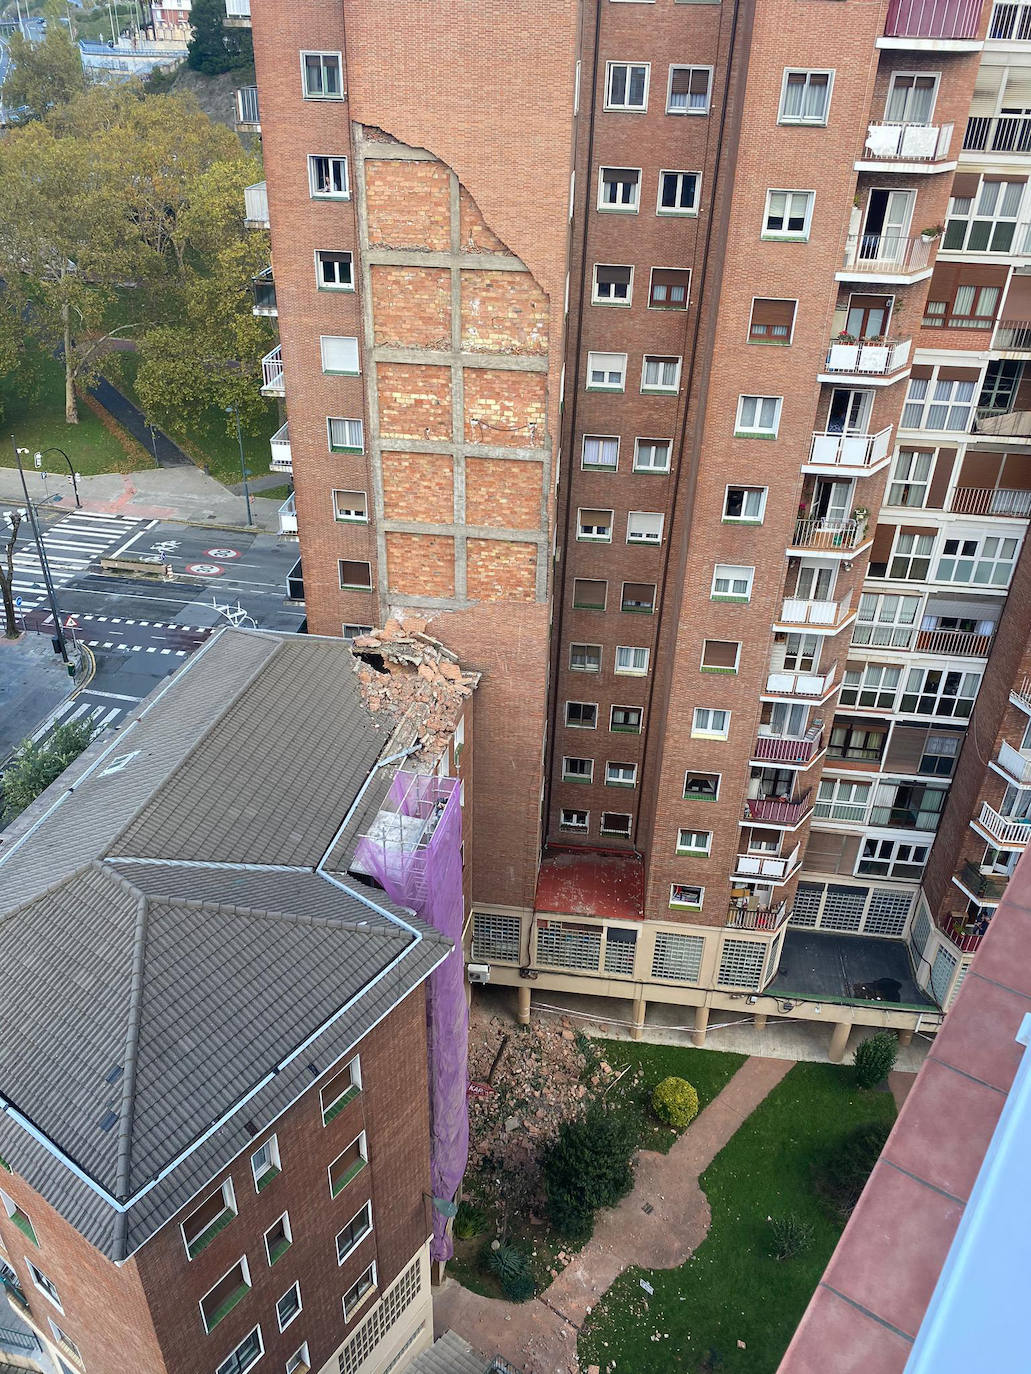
point(71, 545)
point(83, 707)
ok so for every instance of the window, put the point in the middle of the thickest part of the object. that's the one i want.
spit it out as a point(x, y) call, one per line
point(911, 477)
point(892, 859)
point(638, 597)
point(327, 177)
point(219, 1301)
point(300, 1361)
point(772, 322)
point(620, 950)
point(348, 1165)
point(886, 621)
point(350, 505)
point(701, 786)
point(322, 75)
point(745, 504)
point(660, 374)
point(911, 560)
point(626, 719)
point(972, 307)
point(582, 715)
point(689, 90)
point(619, 188)
point(339, 355)
point(720, 655)
point(789, 214)
point(651, 455)
point(572, 819)
point(939, 405)
point(350, 632)
point(695, 843)
point(585, 658)
point(589, 594)
point(354, 1232)
point(65, 1341)
point(46, 1286)
point(685, 897)
point(626, 85)
point(346, 436)
point(670, 288)
point(278, 1239)
point(246, 1354)
point(355, 575)
point(631, 662)
point(616, 823)
point(710, 723)
point(731, 583)
point(644, 527)
point(333, 271)
point(677, 956)
point(577, 770)
point(594, 525)
point(496, 936)
point(875, 687)
point(601, 451)
point(985, 222)
point(911, 98)
point(612, 285)
point(621, 775)
point(343, 1087)
point(265, 1163)
point(986, 558)
point(204, 1223)
point(20, 1218)
point(758, 415)
point(940, 754)
point(678, 193)
point(806, 97)
point(606, 371)
point(939, 692)
point(358, 1291)
point(741, 963)
point(857, 743)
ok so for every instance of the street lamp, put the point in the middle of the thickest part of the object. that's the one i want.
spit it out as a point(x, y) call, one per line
point(74, 476)
point(235, 411)
point(51, 594)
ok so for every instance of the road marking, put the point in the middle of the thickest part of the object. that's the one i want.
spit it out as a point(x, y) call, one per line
point(132, 540)
point(109, 696)
point(166, 651)
point(123, 646)
point(151, 648)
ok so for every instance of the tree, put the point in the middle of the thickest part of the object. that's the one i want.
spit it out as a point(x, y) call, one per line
point(43, 75)
point(875, 1058)
point(9, 531)
point(588, 1166)
point(36, 765)
point(214, 48)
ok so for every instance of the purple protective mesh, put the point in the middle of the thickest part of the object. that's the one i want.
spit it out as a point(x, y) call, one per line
point(419, 864)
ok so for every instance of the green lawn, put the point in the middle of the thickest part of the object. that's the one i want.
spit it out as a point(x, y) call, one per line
point(274, 493)
point(732, 1289)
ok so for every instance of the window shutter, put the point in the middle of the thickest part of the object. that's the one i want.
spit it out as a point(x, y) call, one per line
point(985, 100)
point(613, 276)
point(671, 278)
point(720, 653)
point(772, 319)
point(1018, 89)
point(339, 354)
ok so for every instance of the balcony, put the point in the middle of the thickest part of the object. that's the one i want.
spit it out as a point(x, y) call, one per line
point(1008, 133)
point(272, 374)
point(986, 888)
point(1012, 336)
point(1020, 695)
point(777, 810)
point(282, 461)
point(1003, 501)
point(1010, 23)
point(742, 916)
point(878, 363)
point(255, 201)
point(248, 117)
point(953, 643)
point(859, 454)
point(886, 257)
point(769, 867)
point(789, 749)
point(907, 148)
point(813, 687)
point(965, 934)
point(933, 25)
point(238, 14)
point(1003, 425)
point(288, 516)
point(837, 538)
point(818, 617)
point(1016, 764)
point(1006, 832)
point(264, 289)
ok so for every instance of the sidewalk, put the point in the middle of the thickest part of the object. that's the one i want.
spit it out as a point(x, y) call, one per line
point(176, 493)
point(33, 681)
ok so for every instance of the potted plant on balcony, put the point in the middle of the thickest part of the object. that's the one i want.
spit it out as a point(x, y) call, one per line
point(935, 231)
point(861, 515)
point(844, 354)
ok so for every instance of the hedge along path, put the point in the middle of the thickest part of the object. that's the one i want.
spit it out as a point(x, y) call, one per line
point(541, 1334)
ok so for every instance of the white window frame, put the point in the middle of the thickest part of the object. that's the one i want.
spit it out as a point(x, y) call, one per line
point(777, 342)
point(744, 519)
point(600, 439)
point(688, 109)
point(612, 780)
point(702, 851)
point(362, 1298)
point(578, 724)
point(53, 1298)
point(228, 1205)
point(566, 824)
point(353, 1068)
point(351, 514)
point(325, 339)
point(350, 631)
point(913, 76)
point(244, 1268)
point(648, 467)
point(708, 668)
point(706, 730)
point(660, 388)
point(635, 651)
point(592, 366)
point(905, 479)
point(320, 283)
point(344, 448)
point(288, 1230)
point(275, 1163)
point(682, 903)
point(819, 122)
point(354, 586)
point(299, 1360)
point(242, 1369)
point(363, 1150)
point(593, 538)
point(295, 1287)
point(644, 535)
point(925, 395)
point(626, 729)
point(687, 289)
point(757, 431)
point(729, 572)
point(630, 207)
point(702, 772)
point(331, 158)
point(341, 1257)
point(64, 1340)
point(571, 775)
point(628, 816)
point(322, 53)
point(625, 108)
point(619, 301)
point(678, 209)
point(791, 235)
point(980, 560)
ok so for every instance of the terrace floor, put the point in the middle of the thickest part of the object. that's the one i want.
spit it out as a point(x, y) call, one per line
point(846, 968)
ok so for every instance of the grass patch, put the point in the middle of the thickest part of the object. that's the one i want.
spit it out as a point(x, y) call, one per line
point(274, 493)
point(38, 423)
point(732, 1289)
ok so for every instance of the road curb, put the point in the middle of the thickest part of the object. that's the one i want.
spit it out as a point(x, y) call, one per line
point(61, 706)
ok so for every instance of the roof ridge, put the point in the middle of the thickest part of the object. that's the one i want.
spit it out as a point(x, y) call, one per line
point(95, 864)
point(123, 1176)
point(294, 917)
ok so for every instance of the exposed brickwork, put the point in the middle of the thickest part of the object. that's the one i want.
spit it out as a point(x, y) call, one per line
point(476, 234)
point(411, 307)
point(409, 205)
point(414, 401)
point(420, 564)
point(501, 571)
point(418, 486)
point(503, 312)
point(504, 407)
point(506, 495)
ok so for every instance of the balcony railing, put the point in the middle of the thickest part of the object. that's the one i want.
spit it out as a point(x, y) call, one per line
point(772, 866)
point(828, 534)
point(272, 372)
point(255, 200)
point(894, 254)
point(997, 134)
point(1016, 762)
point(849, 813)
point(744, 917)
point(965, 934)
point(1012, 336)
point(907, 143)
point(282, 460)
point(264, 288)
point(953, 643)
point(986, 887)
point(1002, 424)
point(826, 614)
point(238, 13)
point(248, 116)
point(805, 685)
point(778, 811)
point(1011, 23)
point(834, 450)
point(933, 19)
point(1020, 695)
point(788, 748)
point(1004, 501)
point(14, 1290)
point(288, 516)
point(1011, 834)
point(868, 359)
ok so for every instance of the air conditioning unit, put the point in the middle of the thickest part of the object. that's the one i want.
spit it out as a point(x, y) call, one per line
point(478, 973)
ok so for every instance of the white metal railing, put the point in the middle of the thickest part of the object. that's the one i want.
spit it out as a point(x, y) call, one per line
point(1020, 695)
point(255, 202)
point(238, 9)
point(1016, 763)
point(247, 112)
point(806, 685)
point(891, 253)
point(272, 372)
point(765, 866)
point(288, 516)
point(1010, 23)
point(1005, 501)
point(795, 611)
point(933, 19)
point(961, 643)
point(997, 134)
point(850, 450)
point(1013, 334)
point(282, 460)
point(818, 533)
point(907, 142)
point(1010, 834)
point(868, 359)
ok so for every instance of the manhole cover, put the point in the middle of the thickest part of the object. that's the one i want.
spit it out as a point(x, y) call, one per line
point(647, 1207)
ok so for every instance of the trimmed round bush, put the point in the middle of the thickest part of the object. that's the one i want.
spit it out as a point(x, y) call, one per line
point(675, 1102)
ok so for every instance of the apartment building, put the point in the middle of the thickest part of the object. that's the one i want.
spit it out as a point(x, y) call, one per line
point(215, 1114)
point(667, 357)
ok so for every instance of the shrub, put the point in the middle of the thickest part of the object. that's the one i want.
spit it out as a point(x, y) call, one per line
point(675, 1102)
point(841, 1177)
point(875, 1058)
point(588, 1166)
point(791, 1236)
point(469, 1221)
point(513, 1272)
point(35, 766)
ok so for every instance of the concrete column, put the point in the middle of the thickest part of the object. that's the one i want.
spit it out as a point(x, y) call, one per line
point(905, 1038)
point(640, 1007)
point(523, 1013)
point(838, 1041)
point(760, 1022)
point(701, 1021)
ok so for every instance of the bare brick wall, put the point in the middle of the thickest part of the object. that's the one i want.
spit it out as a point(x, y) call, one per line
point(503, 312)
point(420, 564)
point(411, 306)
point(504, 408)
point(409, 205)
point(418, 486)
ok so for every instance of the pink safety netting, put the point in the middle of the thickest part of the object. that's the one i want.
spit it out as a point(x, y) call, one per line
point(415, 853)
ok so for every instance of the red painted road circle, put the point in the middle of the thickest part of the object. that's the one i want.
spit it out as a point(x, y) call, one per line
point(205, 569)
point(224, 554)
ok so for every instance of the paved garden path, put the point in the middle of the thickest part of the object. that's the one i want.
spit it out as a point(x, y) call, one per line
point(540, 1336)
